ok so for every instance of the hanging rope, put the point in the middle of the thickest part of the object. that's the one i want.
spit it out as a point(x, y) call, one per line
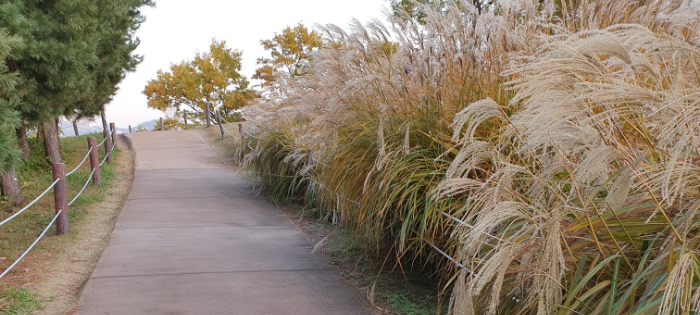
point(81, 163)
point(31, 203)
point(31, 246)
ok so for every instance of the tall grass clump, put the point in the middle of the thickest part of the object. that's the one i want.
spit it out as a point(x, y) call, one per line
point(563, 136)
point(279, 160)
point(376, 104)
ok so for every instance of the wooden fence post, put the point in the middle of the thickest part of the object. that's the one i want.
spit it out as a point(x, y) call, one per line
point(108, 146)
point(184, 115)
point(206, 114)
point(60, 197)
point(105, 126)
point(94, 161)
point(221, 127)
point(75, 127)
point(240, 149)
point(114, 133)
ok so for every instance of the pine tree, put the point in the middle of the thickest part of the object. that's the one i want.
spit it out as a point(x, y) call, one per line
point(9, 118)
point(118, 21)
point(53, 66)
point(76, 53)
point(73, 55)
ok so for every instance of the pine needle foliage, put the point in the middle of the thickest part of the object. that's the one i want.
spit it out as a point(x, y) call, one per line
point(75, 53)
point(562, 135)
point(9, 117)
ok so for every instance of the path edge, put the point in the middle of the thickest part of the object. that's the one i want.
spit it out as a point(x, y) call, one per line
point(123, 143)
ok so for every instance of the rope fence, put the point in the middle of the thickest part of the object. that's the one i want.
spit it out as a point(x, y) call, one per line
point(226, 121)
point(250, 135)
point(458, 221)
point(454, 261)
point(82, 190)
point(59, 187)
point(104, 159)
point(212, 118)
point(159, 126)
point(81, 163)
point(31, 203)
point(31, 246)
point(226, 130)
point(103, 142)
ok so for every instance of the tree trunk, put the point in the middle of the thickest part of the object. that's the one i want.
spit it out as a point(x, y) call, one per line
point(206, 114)
point(51, 143)
point(39, 135)
point(75, 127)
point(10, 186)
point(58, 136)
point(105, 128)
point(22, 141)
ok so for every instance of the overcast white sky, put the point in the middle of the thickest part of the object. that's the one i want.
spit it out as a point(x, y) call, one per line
point(176, 29)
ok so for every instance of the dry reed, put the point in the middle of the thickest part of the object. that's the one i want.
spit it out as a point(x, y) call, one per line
point(564, 133)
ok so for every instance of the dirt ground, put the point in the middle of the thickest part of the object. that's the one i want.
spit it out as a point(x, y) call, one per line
point(57, 275)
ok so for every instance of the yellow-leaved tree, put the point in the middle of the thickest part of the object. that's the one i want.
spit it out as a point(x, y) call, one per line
point(210, 78)
point(289, 52)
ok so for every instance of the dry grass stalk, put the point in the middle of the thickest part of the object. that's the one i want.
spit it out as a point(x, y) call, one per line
point(573, 151)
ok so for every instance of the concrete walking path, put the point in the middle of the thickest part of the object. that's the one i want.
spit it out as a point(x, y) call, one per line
point(192, 239)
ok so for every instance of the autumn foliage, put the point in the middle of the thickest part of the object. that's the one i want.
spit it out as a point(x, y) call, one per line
point(290, 51)
point(210, 78)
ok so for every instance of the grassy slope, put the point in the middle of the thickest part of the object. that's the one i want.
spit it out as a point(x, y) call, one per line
point(18, 234)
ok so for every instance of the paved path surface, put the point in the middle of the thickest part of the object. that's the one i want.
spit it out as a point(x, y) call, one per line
point(192, 239)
